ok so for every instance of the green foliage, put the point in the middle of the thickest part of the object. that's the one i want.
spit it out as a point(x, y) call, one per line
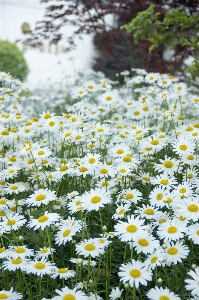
point(12, 60)
point(177, 29)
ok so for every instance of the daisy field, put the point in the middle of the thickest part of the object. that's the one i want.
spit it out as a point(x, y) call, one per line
point(99, 188)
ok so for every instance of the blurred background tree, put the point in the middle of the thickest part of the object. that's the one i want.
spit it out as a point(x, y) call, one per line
point(12, 60)
point(178, 31)
point(116, 48)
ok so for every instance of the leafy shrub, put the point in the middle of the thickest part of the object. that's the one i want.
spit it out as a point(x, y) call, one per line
point(12, 60)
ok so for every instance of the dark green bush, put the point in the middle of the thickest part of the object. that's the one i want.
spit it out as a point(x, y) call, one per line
point(12, 60)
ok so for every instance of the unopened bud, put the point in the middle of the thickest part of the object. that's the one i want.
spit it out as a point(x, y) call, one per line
point(104, 228)
point(159, 280)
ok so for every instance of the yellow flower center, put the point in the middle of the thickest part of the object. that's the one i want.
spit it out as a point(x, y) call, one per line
point(44, 251)
point(127, 159)
point(27, 130)
point(2, 250)
point(148, 148)
point(67, 134)
point(172, 229)
point(12, 158)
point(149, 211)
point(105, 183)
point(14, 187)
point(11, 222)
point(193, 208)
point(69, 297)
point(154, 142)
point(136, 113)
point(95, 199)
point(189, 176)
point(164, 181)
point(47, 116)
point(30, 161)
point(103, 171)
point(42, 219)
point(154, 259)
point(40, 197)
point(63, 168)
point(190, 157)
point(40, 265)
point(129, 196)
point(92, 160)
point(122, 170)
point(41, 152)
point(108, 98)
point(168, 164)
point(51, 123)
point(16, 261)
point(120, 151)
point(121, 211)
point(20, 250)
point(57, 202)
point(62, 270)
point(189, 128)
point(83, 169)
point(164, 298)
point(183, 147)
point(163, 220)
point(183, 190)
point(78, 137)
point(89, 247)
point(2, 201)
point(135, 273)
point(5, 132)
point(131, 228)
point(3, 296)
point(66, 232)
point(172, 251)
point(197, 232)
point(159, 197)
point(143, 242)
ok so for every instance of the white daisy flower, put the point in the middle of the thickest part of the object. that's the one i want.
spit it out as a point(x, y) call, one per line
point(89, 248)
point(155, 259)
point(164, 180)
point(158, 293)
point(12, 222)
point(193, 233)
point(41, 196)
point(168, 165)
point(183, 146)
point(10, 295)
point(20, 251)
point(145, 244)
point(188, 208)
point(135, 273)
point(65, 234)
point(95, 199)
point(13, 264)
point(15, 188)
point(40, 267)
point(192, 284)
point(131, 229)
point(66, 293)
point(44, 253)
point(43, 221)
point(62, 273)
point(116, 293)
point(175, 252)
point(172, 230)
